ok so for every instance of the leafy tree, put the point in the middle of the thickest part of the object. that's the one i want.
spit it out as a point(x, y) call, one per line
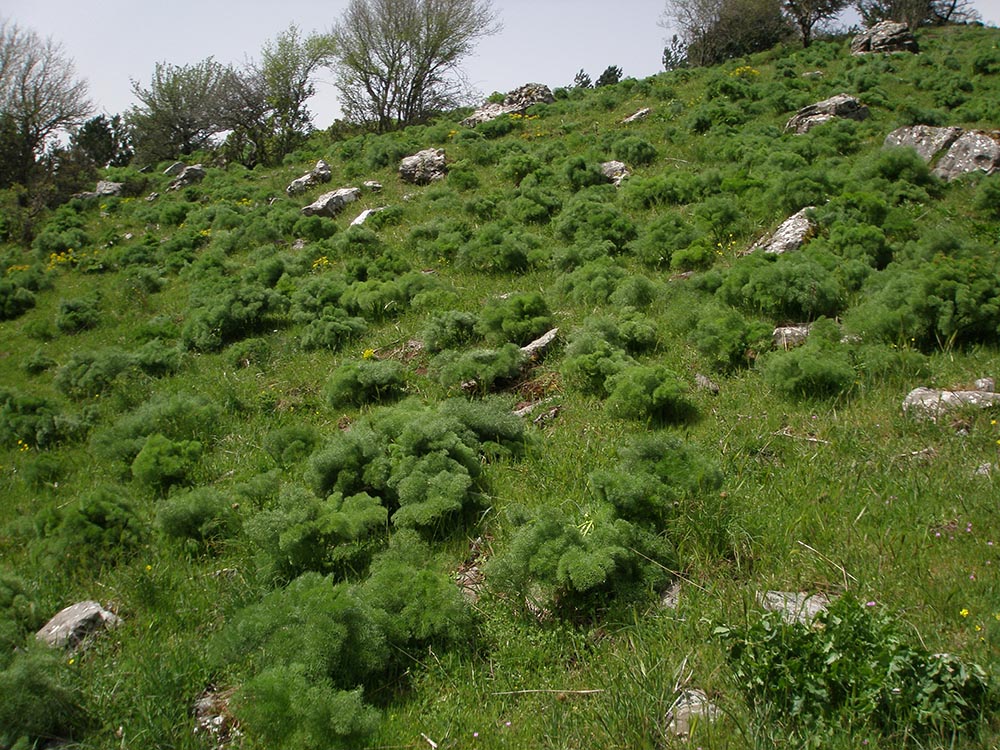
point(915, 13)
point(181, 110)
point(397, 59)
point(807, 13)
point(712, 31)
point(39, 96)
point(266, 106)
point(105, 141)
point(611, 75)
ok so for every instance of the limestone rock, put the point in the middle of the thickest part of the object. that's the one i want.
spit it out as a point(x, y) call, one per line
point(793, 606)
point(789, 337)
point(886, 36)
point(213, 718)
point(986, 384)
point(363, 216)
point(707, 384)
point(174, 169)
point(616, 171)
point(104, 189)
point(424, 167)
point(928, 403)
point(319, 174)
point(189, 176)
point(841, 105)
point(691, 706)
point(973, 150)
point(788, 237)
point(642, 114)
point(74, 623)
point(926, 140)
point(372, 185)
point(332, 203)
point(515, 102)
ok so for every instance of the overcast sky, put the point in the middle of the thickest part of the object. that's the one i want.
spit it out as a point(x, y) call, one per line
point(115, 41)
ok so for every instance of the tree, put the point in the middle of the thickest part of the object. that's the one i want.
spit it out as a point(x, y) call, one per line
point(39, 97)
point(582, 81)
point(807, 13)
point(712, 31)
point(915, 13)
point(266, 105)
point(106, 142)
point(611, 75)
point(181, 111)
point(398, 60)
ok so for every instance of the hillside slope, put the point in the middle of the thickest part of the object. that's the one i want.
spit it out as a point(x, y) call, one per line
point(276, 445)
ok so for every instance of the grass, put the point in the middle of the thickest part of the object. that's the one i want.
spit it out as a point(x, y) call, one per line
point(841, 495)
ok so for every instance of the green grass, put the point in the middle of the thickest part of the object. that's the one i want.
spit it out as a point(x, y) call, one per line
point(841, 494)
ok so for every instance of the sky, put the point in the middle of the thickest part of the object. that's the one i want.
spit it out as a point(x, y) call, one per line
point(113, 42)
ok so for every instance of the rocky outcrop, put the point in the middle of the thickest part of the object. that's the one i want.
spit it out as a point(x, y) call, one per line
point(424, 167)
point(616, 172)
point(72, 625)
point(974, 150)
point(930, 404)
point(790, 236)
point(841, 105)
point(104, 189)
point(188, 176)
point(515, 102)
point(319, 175)
point(886, 36)
point(926, 140)
point(175, 169)
point(332, 203)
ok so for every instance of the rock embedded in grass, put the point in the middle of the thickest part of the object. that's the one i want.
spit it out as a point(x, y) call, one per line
point(72, 625)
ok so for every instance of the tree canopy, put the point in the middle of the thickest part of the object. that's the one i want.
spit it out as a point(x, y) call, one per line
point(398, 60)
point(40, 96)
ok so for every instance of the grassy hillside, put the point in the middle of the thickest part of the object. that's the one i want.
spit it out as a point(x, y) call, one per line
point(271, 444)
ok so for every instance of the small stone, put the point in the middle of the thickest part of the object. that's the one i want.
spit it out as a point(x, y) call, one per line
point(793, 606)
point(616, 172)
point(789, 337)
point(75, 623)
point(191, 175)
point(706, 384)
point(691, 706)
point(320, 173)
point(332, 203)
point(789, 236)
point(642, 114)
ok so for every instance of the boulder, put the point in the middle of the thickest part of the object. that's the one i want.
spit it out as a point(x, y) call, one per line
point(104, 189)
point(642, 114)
point(793, 606)
point(788, 237)
point(332, 203)
point(616, 171)
point(372, 185)
point(319, 174)
point(926, 140)
point(886, 36)
point(929, 403)
point(789, 337)
point(189, 176)
point(174, 169)
point(424, 167)
point(515, 102)
point(974, 150)
point(841, 105)
point(363, 216)
point(691, 706)
point(75, 623)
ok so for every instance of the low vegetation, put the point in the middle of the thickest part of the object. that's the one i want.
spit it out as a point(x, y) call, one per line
point(276, 445)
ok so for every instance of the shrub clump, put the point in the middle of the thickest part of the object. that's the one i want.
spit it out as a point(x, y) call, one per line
point(653, 394)
point(520, 318)
point(370, 381)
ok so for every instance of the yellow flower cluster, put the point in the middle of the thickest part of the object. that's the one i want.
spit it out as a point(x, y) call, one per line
point(70, 257)
point(19, 267)
point(23, 446)
point(321, 262)
point(745, 71)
